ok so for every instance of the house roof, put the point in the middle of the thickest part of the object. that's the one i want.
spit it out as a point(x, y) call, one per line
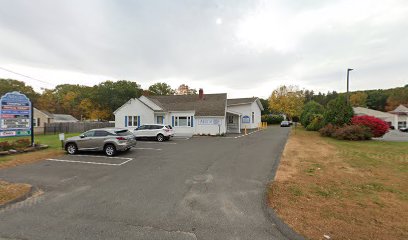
point(64, 118)
point(242, 101)
point(211, 105)
point(401, 109)
point(239, 101)
point(371, 112)
point(48, 114)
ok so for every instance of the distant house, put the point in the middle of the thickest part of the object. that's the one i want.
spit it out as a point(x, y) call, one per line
point(402, 112)
point(58, 118)
point(397, 118)
point(41, 117)
point(191, 114)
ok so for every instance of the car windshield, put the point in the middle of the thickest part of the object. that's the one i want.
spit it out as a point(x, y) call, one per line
point(169, 127)
point(123, 133)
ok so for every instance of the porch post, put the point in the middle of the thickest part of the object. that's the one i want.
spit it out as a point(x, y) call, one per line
point(239, 123)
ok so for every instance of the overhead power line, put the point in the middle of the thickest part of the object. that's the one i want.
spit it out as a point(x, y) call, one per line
point(36, 79)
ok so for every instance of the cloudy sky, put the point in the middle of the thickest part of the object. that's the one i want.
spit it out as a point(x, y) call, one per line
point(242, 47)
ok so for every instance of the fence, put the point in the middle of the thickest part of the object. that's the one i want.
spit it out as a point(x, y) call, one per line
point(74, 127)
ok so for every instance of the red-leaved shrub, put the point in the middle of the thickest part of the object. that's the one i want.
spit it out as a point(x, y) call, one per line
point(377, 126)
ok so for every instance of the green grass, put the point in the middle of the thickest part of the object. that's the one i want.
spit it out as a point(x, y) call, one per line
point(52, 140)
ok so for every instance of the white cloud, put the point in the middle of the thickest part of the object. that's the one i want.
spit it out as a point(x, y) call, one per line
point(243, 47)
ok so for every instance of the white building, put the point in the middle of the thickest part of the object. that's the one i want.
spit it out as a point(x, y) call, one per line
point(191, 114)
point(402, 116)
point(397, 118)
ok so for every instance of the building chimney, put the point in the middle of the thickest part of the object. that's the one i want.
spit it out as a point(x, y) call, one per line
point(201, 94)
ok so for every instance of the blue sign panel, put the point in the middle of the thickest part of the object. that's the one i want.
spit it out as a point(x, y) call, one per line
point(15, 115)
point(246, 119)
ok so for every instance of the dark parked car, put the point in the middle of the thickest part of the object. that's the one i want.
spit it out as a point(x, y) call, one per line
point(403, 129)
point(108, 140)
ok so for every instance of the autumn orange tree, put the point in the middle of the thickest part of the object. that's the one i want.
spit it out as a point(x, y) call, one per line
point(288, 100)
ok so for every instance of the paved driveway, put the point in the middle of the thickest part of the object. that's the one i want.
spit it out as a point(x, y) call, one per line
point(200, 188)
point(394, 136)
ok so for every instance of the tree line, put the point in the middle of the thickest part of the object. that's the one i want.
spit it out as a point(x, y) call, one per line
point(99, 101)
point(84, 102)
point(290, 99)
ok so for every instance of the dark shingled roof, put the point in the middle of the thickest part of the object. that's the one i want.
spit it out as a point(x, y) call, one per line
point(237, 101)
point(212, 105)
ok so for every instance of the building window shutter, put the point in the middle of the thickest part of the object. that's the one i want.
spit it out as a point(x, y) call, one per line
point(172, 121)
point(126, 122)
point(192, 121)
point(138, 121)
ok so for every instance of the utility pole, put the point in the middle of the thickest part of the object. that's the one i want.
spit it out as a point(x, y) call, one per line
point(348, 84)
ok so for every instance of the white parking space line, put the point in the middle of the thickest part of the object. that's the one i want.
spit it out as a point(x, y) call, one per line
point(141, 142)
point(243, 135)
point(157, 149)
point(79, 155)
point(72, 161)
point(95, 163)
point(181, 138)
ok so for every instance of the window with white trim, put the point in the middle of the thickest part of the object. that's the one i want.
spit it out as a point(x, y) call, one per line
point(182, 121)
point(132, 121)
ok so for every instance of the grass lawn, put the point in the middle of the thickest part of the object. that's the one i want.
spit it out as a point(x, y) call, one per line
point(343, 189)
point(51, 140)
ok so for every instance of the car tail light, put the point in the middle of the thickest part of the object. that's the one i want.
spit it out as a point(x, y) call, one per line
point(121, 138)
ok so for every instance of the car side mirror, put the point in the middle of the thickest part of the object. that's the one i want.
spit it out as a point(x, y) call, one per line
point(82, 136)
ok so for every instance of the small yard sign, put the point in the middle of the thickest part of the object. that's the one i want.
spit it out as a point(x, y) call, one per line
point(15, 115)
point(246, 119)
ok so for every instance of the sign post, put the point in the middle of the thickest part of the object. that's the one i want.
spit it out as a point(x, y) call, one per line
point(16, 116)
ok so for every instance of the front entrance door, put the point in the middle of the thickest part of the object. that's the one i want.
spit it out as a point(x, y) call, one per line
point(160, 119)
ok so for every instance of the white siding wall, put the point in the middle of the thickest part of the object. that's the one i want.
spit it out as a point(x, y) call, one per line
point(134, 108)
point(246, 110)
point(210, 129)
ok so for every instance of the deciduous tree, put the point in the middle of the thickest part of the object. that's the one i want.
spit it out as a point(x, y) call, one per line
point(288, 100)
point(161, 89)
point(358, 99)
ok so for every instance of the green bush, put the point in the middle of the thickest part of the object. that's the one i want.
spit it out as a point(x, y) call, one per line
point(309, 111)
point(316, 124)
point(272, 119)
point(338, 112)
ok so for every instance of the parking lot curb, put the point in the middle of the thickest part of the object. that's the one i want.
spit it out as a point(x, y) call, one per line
point(270, 213)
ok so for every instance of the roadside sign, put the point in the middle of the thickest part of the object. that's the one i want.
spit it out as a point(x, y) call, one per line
point(61, 136)
point(15, 115)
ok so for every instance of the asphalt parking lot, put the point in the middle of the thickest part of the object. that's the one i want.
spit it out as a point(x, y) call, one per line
point(198, 188)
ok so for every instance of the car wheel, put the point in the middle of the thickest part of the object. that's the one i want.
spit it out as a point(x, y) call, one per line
point(160, 137)
point(71, 148)
point(110, 150)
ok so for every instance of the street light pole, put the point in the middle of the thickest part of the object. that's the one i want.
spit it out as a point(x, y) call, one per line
point(348, 84)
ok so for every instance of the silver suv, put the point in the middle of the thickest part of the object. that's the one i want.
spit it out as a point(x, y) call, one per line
point(108, 140)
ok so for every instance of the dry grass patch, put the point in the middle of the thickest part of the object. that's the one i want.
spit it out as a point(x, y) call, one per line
point(25, 158)
point(11, 191)
point(347, 190)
